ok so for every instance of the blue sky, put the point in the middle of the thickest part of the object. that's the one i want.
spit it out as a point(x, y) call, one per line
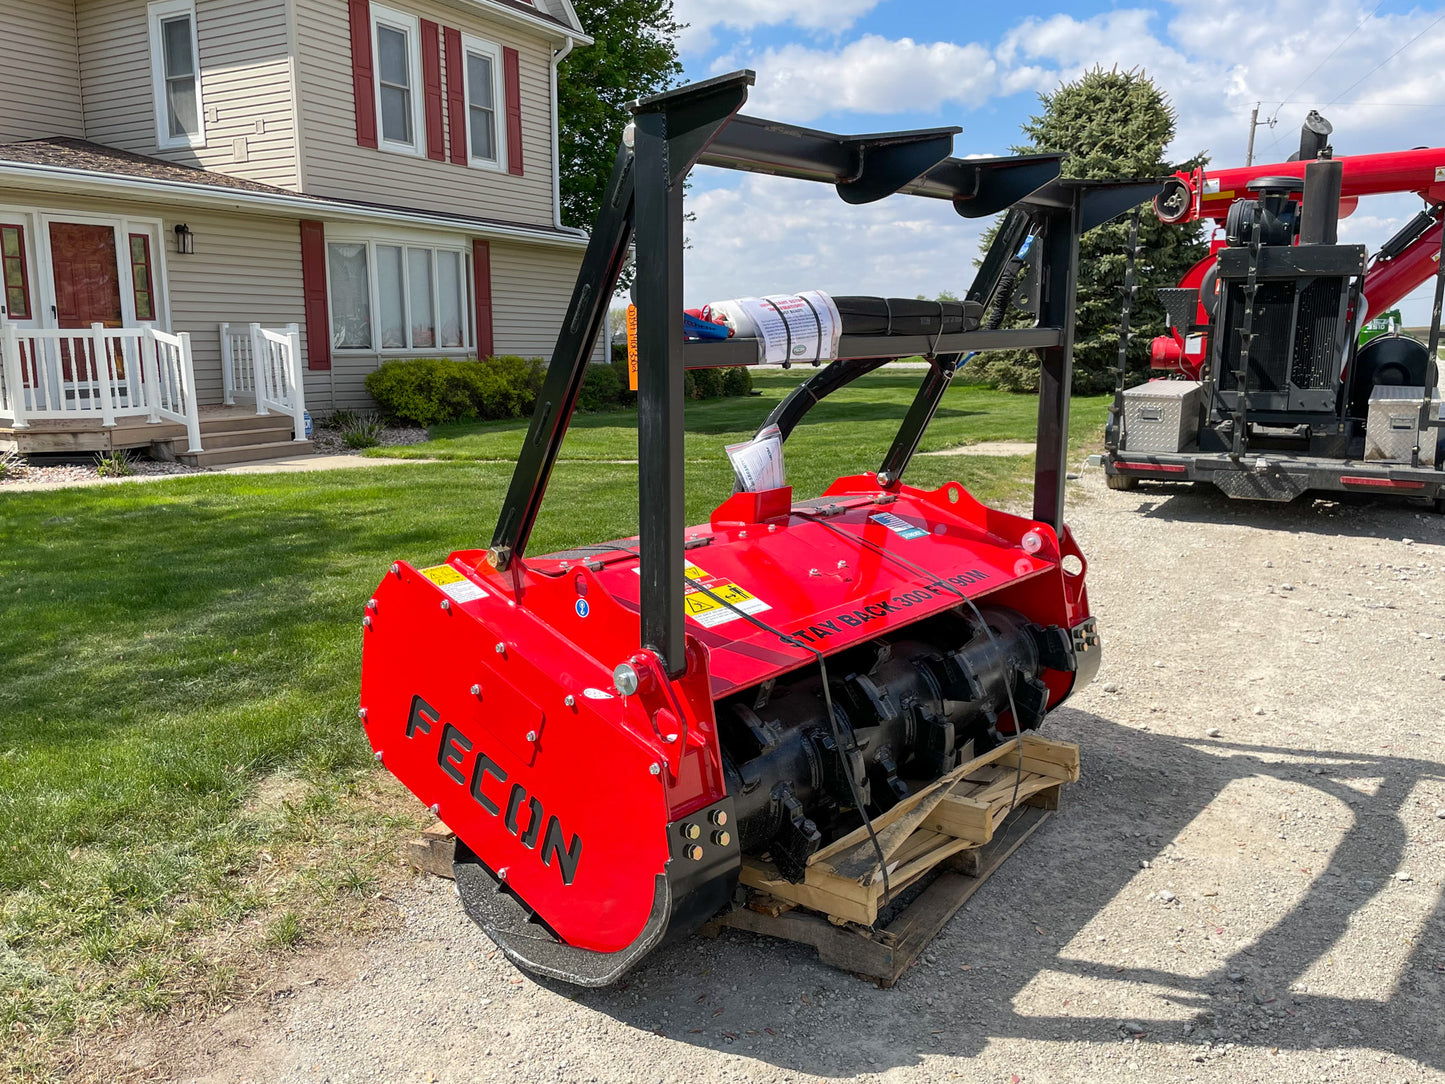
point(871, 65)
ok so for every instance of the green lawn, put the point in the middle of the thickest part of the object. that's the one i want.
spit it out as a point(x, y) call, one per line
point(179, 753)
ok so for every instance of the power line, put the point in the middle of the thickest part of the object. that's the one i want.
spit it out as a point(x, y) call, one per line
point(1338, 46)
point(1336, 99)
point(1382, 63)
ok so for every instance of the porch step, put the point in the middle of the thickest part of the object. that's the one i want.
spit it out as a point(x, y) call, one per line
point(232, 420)
point(220, 457)
point(216, 439)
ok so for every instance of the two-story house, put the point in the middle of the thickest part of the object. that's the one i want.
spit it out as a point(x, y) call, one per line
point(382, 176)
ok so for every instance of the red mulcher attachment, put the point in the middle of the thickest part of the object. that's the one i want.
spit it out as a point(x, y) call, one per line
point(609, 730)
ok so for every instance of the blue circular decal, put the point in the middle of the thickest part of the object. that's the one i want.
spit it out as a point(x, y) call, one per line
point(582, 608)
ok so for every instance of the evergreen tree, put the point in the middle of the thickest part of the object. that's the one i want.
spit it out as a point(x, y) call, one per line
point(1114, 126)
point(634, 54)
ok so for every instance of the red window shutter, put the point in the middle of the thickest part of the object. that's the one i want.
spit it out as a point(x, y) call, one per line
point(363, 78)
point(431, 74)
point(456, 95)
point(511, 76)
point(482, 291)
point(313, 291)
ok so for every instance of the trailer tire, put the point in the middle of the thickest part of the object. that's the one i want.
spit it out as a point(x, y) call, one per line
point(1120, 481)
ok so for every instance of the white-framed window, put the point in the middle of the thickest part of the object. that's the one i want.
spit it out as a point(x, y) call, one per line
point(396, 47)
point(176, 75)
point(389, 295)
point(486, 121)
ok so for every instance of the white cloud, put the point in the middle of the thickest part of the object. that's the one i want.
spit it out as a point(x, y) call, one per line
point(870, 75)
point(703, 17)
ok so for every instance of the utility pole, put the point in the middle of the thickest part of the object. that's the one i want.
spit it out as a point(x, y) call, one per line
point(1255, 122)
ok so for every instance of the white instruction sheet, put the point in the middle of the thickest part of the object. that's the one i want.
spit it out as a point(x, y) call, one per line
point(790, 328)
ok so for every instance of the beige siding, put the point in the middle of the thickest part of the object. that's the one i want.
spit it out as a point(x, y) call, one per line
point(41, 77)
point(335, 166)
point(245, 85)
point(531, 287)
point(245, 268)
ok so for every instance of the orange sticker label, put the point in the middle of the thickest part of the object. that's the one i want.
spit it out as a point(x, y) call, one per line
point(631, 347)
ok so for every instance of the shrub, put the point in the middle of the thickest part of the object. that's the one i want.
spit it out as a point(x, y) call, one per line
point(524, 374)
point(1008, 372)
point(625, 395)
point(430, 391)
point(601, 388)
point(11, 464)
point(341, 420)
point(708, 383)
point(424, 391)
point(737, 381)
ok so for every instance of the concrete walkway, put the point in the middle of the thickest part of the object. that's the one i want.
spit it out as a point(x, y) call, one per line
point(296, 464)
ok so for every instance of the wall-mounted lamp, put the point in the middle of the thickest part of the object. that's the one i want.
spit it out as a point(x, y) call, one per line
point(185, 240)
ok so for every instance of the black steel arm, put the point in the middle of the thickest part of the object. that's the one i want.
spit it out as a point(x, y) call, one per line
point(672, 131)
point(596, 281)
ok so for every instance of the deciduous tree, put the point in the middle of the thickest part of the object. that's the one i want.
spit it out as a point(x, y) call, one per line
point(634, 54)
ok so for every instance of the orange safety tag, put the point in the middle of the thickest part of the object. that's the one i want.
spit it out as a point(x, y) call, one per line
point(631, 347)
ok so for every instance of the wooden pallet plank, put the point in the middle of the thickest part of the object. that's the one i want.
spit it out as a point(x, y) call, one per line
point(827, 893)
point(907, 805)
point(963, 817)
point(433, 850)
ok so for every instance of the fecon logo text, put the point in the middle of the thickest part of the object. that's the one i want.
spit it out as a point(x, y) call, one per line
point(453, 747)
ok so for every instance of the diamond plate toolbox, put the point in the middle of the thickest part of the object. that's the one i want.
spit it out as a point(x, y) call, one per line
point(1392, 423)
point(1161, 416)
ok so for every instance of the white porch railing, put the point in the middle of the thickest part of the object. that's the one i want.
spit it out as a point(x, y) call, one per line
point(263, 366)
point(104, 373)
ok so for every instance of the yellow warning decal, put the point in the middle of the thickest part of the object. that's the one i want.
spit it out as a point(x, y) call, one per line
point(453, 583)
point(708, 611)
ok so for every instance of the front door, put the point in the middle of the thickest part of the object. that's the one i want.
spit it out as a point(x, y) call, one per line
point(87, 291)
point(87, 275)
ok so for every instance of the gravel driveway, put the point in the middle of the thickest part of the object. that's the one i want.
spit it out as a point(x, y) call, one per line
point(1245, 885)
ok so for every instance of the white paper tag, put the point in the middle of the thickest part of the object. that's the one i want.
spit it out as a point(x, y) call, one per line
point(758, 463)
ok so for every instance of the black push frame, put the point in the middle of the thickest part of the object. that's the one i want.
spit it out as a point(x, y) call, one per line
point(700, 124)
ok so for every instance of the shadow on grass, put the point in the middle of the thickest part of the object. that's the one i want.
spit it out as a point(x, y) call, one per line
point(1034, 917)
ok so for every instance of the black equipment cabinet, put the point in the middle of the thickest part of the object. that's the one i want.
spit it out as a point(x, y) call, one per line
point(700, 124)
point(1301, 325)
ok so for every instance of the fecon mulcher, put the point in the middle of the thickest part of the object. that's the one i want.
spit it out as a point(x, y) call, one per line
point(608, 730)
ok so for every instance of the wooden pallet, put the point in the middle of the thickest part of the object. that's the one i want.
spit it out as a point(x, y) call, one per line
point(960, 811)
point(883, 953)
